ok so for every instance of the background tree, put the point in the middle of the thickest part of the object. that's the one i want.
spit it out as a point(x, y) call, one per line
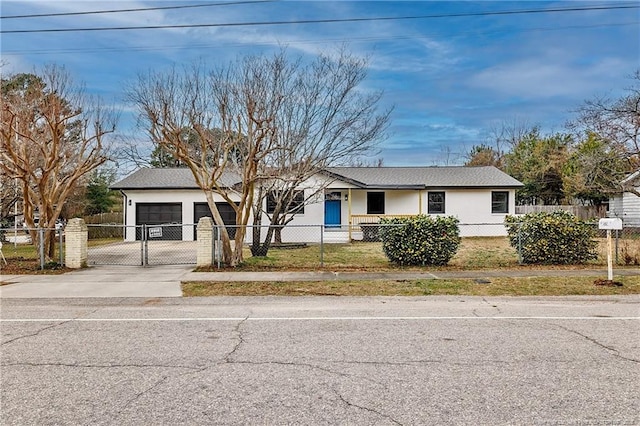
point(616, 124)
point(484, 155)
point(593, 171)
point(506, 134)
point(51, 136)
point(99, 197)
point(537, 161)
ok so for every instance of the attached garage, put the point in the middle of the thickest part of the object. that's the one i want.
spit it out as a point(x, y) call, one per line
point(169, 203)
point(201, 210)
point(169, 215)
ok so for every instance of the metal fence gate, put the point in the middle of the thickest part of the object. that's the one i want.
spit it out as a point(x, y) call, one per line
point(140, 245)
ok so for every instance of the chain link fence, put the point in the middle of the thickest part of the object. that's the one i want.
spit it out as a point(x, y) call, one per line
point(484, 245)
point(23, 246)
point(106, 246)
point(141, 245)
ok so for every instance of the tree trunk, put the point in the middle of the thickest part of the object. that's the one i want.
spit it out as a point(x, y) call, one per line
point(227, 252)
point(256, 245)
point(50, 245)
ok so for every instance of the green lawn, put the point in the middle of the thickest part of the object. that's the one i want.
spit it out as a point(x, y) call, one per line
point(474, 253)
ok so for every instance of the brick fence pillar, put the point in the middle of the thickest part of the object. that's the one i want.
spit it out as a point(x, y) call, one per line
point(76, 236)
point(204, 257)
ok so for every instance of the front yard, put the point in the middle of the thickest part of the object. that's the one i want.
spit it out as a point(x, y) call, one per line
point(474, 253)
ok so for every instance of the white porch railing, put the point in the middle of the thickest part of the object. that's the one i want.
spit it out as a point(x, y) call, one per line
point(357, 219)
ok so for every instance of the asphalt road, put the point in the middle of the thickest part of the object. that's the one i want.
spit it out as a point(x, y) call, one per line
point(322, 360)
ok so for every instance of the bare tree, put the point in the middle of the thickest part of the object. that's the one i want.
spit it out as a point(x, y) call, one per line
point(324, 119)
point(505, 135)
point(52, 136)
point(239, 101)
point(616, 123)
point(269, 119)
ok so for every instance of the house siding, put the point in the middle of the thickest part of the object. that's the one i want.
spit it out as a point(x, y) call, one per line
point(186, 197)
point(627, 208)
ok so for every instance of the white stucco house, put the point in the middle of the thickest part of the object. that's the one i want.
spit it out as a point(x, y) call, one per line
point(480, 197)
point(626, 205)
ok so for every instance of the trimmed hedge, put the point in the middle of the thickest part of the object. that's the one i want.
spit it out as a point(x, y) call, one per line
point(421, 240)
point(552, 238)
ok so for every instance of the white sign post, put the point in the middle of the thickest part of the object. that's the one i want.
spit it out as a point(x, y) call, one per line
point(610, 224)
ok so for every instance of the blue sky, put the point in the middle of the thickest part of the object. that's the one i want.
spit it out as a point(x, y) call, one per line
point(450, 79)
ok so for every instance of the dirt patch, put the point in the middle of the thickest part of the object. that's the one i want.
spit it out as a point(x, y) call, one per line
point(608, 283)
point(22, 266)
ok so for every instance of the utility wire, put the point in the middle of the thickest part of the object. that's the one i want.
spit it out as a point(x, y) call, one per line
point(293, 42)
point(144, 9)
point(325, 21)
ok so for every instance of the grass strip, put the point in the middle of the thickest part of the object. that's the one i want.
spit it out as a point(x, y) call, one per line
point(501, 286)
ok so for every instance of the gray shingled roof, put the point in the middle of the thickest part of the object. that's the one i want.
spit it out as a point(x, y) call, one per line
point(169, 179)
point(364, 177)
point(424, 177)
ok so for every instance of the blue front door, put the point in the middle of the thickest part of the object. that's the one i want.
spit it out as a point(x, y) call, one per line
point(332, 213)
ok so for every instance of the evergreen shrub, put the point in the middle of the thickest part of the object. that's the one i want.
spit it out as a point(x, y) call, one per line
point(420, 240)
point(552, 238)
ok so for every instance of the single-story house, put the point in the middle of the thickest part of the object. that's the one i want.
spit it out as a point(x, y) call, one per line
point(626, 205)
point(480, 197)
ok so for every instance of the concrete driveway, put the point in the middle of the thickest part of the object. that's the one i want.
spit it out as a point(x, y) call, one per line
point(98, 281)
point(131, 253)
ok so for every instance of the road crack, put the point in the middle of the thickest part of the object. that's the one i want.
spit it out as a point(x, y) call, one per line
point(159, 383)
point(140, 394)
point(26, 336)
point(368, 409)
point(238, 330)
point(611, 350)
point(296, 364)
point(42, 330)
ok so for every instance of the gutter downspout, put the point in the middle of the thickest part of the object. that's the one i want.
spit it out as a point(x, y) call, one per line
point(124, 213)
point(349, 212)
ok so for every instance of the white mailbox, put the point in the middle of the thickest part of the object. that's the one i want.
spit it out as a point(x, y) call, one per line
point(610, 223)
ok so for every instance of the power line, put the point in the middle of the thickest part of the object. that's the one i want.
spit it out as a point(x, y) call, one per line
point(144, 9)
point(325, 21)
point(293, 42)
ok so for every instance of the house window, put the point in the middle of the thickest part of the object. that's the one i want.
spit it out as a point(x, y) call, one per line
point(435, 202)
point(375, 202)
point(499, 202)
point(333, 196)
point(295, 205)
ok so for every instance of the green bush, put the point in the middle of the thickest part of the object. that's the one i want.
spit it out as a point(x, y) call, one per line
point(421, 240)
point(552, 238)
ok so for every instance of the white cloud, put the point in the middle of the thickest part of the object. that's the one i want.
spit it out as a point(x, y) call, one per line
point(538, 78)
